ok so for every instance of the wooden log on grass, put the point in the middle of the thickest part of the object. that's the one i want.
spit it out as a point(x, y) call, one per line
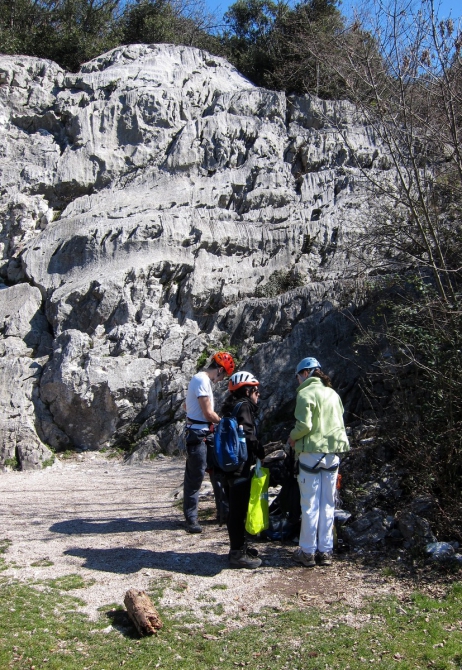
point(142, 612)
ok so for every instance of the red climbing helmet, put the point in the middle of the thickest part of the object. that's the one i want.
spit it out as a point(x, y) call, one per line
point(224, 360)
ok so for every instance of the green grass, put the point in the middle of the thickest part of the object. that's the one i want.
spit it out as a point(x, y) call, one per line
point(4, 544)
point(41, 626)
point(68, 453)
point(69, 582)
point(42, 563)
point(48, 462)
point(206, 513)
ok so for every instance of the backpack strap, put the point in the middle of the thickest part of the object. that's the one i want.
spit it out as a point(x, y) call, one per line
point(236, 409)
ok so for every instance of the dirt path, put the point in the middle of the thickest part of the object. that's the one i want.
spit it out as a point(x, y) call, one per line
point(120, 527)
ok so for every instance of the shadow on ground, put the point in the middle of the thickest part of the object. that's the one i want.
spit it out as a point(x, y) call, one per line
point(108, 526)
point(121, 621)
point(126, 560)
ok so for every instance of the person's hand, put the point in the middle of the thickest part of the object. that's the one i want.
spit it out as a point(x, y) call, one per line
point(291, 442)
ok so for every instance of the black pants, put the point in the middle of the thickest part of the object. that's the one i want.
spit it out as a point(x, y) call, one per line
point(196, 465)
point(238, 491)
point(196, 462)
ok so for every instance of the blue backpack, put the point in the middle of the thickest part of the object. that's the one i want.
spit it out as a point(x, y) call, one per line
point(230, 452)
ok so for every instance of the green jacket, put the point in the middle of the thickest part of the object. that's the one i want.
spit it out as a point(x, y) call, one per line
point(319, 426)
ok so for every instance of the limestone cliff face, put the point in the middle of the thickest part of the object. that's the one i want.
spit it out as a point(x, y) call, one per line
point(154, 204)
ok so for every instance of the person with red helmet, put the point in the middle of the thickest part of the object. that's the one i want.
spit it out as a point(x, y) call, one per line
point(242, 403)
point(200, 417)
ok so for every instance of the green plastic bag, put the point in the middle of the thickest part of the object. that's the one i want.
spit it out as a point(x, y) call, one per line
point(258, 511)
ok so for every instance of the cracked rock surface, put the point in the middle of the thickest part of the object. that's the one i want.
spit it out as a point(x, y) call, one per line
point(153, 205)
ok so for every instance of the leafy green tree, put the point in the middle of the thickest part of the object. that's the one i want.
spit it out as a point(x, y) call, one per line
point(276, 46)
point(82, 30)
point(69, 32)
point(248, 37)
point(417, 341)
point(148, 21)
point(403, 71)
point(169, 21)
point(20, 20)
point(301, 37)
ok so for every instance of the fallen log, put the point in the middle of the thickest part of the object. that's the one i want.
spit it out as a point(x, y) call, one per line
point(142, 612)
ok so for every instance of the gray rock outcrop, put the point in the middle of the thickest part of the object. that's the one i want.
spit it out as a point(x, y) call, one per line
point(155, 204)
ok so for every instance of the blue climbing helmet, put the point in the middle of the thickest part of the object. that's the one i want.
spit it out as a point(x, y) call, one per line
point(307, 364)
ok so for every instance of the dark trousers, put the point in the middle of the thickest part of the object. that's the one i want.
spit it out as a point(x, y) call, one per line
point(220, 492)
point(238, 500)
point(196, 464)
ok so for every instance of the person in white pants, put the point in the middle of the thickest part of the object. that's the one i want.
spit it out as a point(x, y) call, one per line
point(317, 499)
point(318, 437)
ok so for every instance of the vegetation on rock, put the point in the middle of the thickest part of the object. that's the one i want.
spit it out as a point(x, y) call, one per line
point(409, 88)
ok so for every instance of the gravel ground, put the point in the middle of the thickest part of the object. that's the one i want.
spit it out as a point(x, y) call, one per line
point(120, 527)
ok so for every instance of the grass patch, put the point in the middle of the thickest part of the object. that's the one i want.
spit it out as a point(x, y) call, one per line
point(69, 582)
point(47, 463)
point(158, 587)
point(206, 513)
point(4, 544)
point(68, 454)
point(222, 587)
point(43, 628)
point(202, 360)
point(42, 563)
point(178, 503)
point(388, 571)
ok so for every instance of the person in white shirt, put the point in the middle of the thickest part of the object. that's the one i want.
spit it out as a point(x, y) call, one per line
point(200, 417)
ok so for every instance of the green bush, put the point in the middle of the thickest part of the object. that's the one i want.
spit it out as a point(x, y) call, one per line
point(417, 338)
point(278, 283)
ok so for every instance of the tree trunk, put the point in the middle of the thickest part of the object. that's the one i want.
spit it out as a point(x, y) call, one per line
point(142, 612)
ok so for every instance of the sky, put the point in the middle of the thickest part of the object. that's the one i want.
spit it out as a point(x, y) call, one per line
point(446, 7)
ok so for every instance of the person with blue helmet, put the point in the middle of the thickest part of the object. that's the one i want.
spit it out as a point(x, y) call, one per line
point(318, 437)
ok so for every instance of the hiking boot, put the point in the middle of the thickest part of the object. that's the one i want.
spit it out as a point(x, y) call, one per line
point(240, 558)
point(325, 558)
point(306, 560)
point(193, 527)
point(248, 550)
point(252, 551)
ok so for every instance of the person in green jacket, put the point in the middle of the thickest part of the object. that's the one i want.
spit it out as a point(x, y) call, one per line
point(318, 437)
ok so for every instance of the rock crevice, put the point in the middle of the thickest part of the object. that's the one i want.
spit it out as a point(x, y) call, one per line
point(165, 206)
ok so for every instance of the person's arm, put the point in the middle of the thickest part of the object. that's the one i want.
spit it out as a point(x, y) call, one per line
point(207, 411)
point(245, 419)
point(303, 419)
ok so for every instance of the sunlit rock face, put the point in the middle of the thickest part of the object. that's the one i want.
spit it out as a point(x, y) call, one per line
point(154, 204)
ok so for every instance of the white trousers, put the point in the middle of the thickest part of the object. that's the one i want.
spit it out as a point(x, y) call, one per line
point(317, 499)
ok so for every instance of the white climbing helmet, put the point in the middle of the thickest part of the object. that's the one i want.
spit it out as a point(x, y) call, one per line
point(242, 378)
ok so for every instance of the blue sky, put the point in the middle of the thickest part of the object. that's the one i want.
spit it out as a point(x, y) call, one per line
point(446, 7)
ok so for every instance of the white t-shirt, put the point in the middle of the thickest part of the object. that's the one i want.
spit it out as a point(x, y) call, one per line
point(200, 386)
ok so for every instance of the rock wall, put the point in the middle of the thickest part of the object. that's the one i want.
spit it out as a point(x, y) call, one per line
point(153, 205)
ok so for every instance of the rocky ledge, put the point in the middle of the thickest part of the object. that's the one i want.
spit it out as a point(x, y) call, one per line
point(154, 206)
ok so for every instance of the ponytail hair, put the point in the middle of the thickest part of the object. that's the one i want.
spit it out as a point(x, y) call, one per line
point(323, 377)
